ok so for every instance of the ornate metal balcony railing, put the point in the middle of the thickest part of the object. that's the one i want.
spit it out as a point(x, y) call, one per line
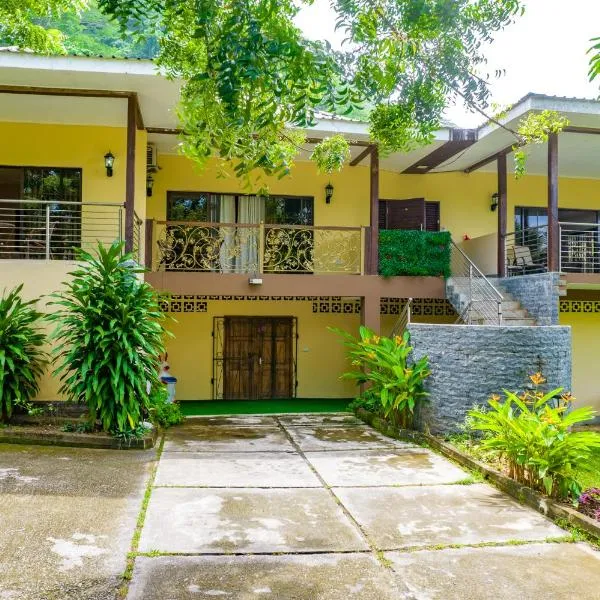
point(52, 230)
point(256, 248)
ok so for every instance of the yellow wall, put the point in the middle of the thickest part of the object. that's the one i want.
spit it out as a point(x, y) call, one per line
point(320, 356)
point(585, 337)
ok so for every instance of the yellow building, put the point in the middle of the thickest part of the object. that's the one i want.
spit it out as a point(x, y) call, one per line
point(254, 283)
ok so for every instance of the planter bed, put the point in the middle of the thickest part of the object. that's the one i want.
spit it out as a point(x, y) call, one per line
point(51, 434)
point(551, 508)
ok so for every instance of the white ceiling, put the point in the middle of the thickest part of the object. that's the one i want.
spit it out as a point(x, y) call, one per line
point(579, 154)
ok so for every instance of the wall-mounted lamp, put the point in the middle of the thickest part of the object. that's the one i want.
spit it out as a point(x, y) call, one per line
point(494, 204)
point(328, 193)
point(149, 184)
point(109, 161)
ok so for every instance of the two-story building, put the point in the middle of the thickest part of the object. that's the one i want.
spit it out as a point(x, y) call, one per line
point(88, 151)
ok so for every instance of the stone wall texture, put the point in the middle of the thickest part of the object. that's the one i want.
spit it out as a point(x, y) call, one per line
point(469, 363)
point(537, 293)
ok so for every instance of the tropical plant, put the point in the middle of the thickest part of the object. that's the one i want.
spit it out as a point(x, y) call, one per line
point(22, 359)
point(531, 433)
point(386, 366)
point(109, 334)
point(162, 412)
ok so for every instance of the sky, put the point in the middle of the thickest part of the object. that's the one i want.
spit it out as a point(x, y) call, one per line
point(544, 51)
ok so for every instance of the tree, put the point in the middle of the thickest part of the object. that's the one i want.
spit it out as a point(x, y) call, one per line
point(18, 26)
point(252, 81)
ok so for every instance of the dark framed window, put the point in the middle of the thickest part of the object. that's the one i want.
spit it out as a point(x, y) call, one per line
point(237, 208)
point(45, 193)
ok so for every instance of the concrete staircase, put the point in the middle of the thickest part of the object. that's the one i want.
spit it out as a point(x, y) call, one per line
point(482, 311)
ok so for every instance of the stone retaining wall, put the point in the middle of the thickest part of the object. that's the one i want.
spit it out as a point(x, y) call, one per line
point(471, 362)
point(537, 293)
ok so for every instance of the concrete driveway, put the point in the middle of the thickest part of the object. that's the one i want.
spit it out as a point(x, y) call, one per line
point(67, 517)
point(313, 507)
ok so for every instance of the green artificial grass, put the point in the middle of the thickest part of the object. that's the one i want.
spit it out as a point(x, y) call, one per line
point(250, 407)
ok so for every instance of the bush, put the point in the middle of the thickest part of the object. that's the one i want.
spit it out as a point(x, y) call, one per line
point(531, 433)
point(418, 253)
point(164, 413)
point(22, 359)
point(395, 382)
point(109, 334)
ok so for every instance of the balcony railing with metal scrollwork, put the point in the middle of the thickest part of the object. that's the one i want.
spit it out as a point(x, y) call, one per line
point(256, 248)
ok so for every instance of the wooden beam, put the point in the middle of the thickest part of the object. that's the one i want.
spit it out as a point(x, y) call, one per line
point(76, 93)
point(502, 214)
point(164, 130)
point(438, 156)
point(553, 227)
point(489, 159)
point(370, 313)
point(130, 174)
point(374, 203)
point(148, 241)
point(572, 129)
point(361, 156)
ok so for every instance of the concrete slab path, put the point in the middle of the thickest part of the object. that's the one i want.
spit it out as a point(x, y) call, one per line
point(67, 517)
point(321, 507)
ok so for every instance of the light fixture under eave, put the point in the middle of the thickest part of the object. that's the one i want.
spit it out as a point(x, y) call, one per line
point(109, 162)
point(149, 184)
point(495, 199)
point(328, 193)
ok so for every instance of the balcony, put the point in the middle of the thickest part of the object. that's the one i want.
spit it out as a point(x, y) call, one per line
point(237, 248)
point(579, 250)
point(46, 230)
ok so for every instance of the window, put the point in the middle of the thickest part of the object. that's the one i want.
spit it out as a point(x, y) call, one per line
point(231, 208)
point(44, 193)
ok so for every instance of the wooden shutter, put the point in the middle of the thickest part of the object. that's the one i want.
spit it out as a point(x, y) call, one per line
point(405, 214)
point(383, 214)
point(432, 216)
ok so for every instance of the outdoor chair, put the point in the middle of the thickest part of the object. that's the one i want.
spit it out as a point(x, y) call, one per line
point(519, 261)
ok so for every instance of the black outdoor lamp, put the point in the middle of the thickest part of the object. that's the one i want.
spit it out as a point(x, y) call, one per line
point(149, 185)
point(109, 161)
point(328, 193)
point(494, 204)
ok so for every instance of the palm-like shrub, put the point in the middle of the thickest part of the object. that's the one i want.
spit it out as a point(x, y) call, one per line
point(384, 364)
point(109, 335)
point(532, 435)
point(22, 359)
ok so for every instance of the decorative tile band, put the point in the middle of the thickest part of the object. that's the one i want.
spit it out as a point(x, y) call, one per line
point(579, 306)
point(320, 304)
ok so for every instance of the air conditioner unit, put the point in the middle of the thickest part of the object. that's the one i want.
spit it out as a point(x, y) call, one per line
point(151, 158)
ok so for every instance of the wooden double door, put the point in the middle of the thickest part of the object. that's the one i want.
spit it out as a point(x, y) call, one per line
point(259, 358)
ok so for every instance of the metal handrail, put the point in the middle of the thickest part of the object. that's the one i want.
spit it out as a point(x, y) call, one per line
point(471, 292)
point(61, 202)
point(266, 225)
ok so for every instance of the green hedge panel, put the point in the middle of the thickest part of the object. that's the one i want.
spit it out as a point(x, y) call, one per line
point(420, 253)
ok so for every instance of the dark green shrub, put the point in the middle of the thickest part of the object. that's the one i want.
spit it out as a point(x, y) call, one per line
point(164, 413)
point(418, 253)
point(22, 359)
point(109, 332)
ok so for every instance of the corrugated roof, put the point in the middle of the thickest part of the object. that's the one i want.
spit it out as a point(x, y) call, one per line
point(17, 50)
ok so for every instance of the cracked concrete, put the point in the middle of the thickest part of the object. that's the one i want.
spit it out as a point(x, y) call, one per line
point(315, 507)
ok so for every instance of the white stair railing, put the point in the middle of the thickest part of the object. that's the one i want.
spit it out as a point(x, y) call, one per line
point(473, 296)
